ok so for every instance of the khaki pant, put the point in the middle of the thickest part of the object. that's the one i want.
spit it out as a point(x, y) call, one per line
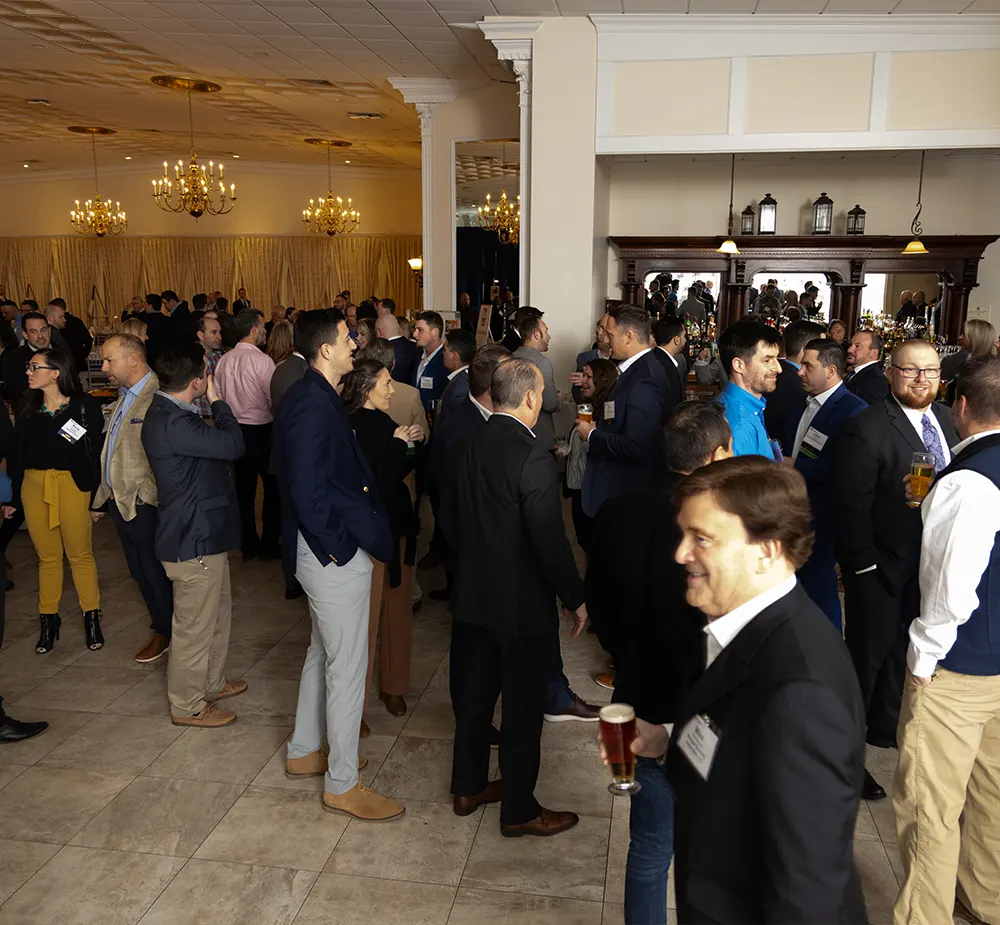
point(390, 626)
point(949, 770)
point(199, 646)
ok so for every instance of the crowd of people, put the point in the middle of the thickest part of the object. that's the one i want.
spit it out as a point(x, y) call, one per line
point(772, 585)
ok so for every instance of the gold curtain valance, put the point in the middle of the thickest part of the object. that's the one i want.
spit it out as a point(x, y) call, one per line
point(99, 276)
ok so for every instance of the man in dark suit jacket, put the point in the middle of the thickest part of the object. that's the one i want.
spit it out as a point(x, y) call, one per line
point(459, 347)
point(813, 437)
point(867, 378)
point(671, 339)
point(622, 453)
point(333, 520)
point(878, 534)
point(407, 352)
point(788, 400)
point(38, 335)
point(179, 323)
point(506, 514)
point(429, 375)
point(72, 330)
point(767, 752)
point(198, 524)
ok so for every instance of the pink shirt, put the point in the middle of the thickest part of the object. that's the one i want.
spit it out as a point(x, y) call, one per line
point(243, 378)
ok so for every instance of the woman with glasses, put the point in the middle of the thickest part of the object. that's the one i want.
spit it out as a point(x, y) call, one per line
point(56, 469)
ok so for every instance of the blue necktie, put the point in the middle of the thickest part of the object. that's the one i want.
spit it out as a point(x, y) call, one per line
point(932, 443)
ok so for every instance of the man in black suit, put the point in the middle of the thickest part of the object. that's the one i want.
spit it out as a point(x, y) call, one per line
point(866, 378)
point(506, 514)
point(878, 535)
point(907, 310)
point(788, 400)
point(180, 324)
point(671, 339)
point(241, 302)
point(407, 352)
point(459, 347)
point(13, 365)
point(766, 757)
point(72, 330)
point(198, 524)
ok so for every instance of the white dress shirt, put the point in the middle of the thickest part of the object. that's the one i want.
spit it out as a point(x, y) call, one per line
point(725, 629)
point(916, 418)
point(485, 412)
point(813, 404)
point(452, 375)
point(857, 369)
point(673, 359)
point(504, 414)
point(424, 360)
point(625, 364)
point(961, 517)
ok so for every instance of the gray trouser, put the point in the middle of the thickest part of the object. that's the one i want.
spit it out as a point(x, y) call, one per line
point(332, 689)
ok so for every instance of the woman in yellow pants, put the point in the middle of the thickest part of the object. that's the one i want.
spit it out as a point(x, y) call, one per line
point(57, 437)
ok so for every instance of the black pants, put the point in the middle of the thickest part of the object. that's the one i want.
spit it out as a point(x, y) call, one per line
point(257, 462)
point(516, 667)
point(8, 530)
point(138, 538)
point(876, 632)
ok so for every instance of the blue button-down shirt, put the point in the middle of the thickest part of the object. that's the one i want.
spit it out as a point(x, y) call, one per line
point(745, 413)
point(128, 396)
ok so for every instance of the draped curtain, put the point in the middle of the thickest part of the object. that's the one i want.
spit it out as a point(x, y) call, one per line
point(99, 276)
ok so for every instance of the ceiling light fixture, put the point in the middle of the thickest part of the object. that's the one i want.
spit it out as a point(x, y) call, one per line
point(128, 157)
point(193, 189)
point(96, 218)
point(25, 165)
point(37, 101)
point(504, 217)
point(330, 216)
point(916, 246)
point(729, 245)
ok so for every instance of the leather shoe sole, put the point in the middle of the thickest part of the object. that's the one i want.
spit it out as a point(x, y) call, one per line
point(548, 823)
point(466, 806)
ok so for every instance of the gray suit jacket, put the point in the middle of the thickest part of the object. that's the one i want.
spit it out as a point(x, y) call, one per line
point(545, 429)
point(286, 373)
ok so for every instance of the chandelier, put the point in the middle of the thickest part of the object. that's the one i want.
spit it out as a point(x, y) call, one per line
point(193, 188)
point(96, 217)
point(330, 216)
point(503, 217)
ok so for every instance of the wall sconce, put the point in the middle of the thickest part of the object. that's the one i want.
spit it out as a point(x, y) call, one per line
point(856, 220)
point(747, 220)
point(768, 221)
point(417, 268)
point(823, 215)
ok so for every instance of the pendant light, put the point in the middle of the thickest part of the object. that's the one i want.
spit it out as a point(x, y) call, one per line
point(916, 246)
point(728, 246)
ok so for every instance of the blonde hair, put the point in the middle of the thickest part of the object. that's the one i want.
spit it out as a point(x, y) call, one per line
point(982, 338)
point(136, 327)
point(280, 343)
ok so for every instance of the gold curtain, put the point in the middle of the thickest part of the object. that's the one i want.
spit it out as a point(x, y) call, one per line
point(99, 276)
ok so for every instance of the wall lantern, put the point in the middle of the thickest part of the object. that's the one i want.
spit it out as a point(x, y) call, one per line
point(856, 220)
point(823, 215)
point(768, 221)
point(746, 220)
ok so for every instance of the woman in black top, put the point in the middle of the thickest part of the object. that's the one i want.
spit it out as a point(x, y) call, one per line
point(366, 392)
point(56, 470)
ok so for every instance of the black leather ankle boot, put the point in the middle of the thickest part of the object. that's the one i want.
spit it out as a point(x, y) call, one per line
point(92, 627)
point(49, 633)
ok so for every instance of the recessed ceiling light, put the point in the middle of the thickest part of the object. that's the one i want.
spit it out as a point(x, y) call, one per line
point(36, 45)
point(37, 101)
point(128, 157)
point(24, 165)
point(365, 115)
point(347, 162)
point(236, 156)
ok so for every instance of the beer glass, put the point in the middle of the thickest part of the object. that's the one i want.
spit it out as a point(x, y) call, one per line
point(617, 733)
point(922, 474)
point(585, 412)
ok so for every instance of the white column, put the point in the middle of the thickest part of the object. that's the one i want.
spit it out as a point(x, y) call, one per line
point(426, 113)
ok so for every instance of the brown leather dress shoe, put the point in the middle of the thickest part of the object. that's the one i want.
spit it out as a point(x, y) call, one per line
point(365, 731)
point(466, 806)
point(229, 689)
point(209, 718)
point(156, 648)
point(605, 679)
point(394, 704)
point(549, 822)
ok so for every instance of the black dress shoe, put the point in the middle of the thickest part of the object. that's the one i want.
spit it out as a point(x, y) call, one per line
point(13, 730)
point(294, 592)
point(871, 789)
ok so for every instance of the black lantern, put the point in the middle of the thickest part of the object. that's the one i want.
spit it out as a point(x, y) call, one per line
point(768, 221)
point(746, 220)
point(823, 215)
point(856, 221)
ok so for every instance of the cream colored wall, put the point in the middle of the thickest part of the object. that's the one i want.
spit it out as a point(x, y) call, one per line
point(270, 200)
point(704, 112)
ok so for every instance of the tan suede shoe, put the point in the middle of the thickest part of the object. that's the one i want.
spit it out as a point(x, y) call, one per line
point(209, 718)
point(364, 804)
point(229, 689)
point(314, 764)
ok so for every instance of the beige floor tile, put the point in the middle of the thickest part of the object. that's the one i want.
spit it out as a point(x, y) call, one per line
point(120, 648)
point(213, 893)
point(865, 826)
point(892, 850)
point(429, 844)
point(432, 717)
point(341, 900)
point(94, 888)
point(474, 907)
point(232, 754)
point(578, 737)
point(374, 748)
point(379, 720)
point(276, 828)
point(885, 819)
point(87, 689)
point(574, 780)
point(18, 861)
point(66, 650)
point(156, 815)
point(571, 865)
point(9, 771)
point(62, 724)
point(877, 880)
point(283, 660)
point(52, 805)
point(614, 884)
point(23, 676)
point(614, 914)
point(267, 702)
point(112, 744)
point(147, 698)
point(420, 769)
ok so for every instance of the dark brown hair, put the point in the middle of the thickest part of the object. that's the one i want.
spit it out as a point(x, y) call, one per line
point(605, 375)
point(979, 382)
point(359, 382)
point(770, 500)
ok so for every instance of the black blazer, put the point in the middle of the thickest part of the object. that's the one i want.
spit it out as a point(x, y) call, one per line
point(769, 836)
point(454, 394)
point(190, 459)
point(505, 516)
point(870, 384)
point(677, 390)
point(512, 339)
point(407, 357)
point(79, 339)
point(874, 524)
point(786, 403)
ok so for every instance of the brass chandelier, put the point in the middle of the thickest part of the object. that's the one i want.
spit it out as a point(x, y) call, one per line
point(330, 216)
point(193, 189)
point(96, 217)
point(503, 217)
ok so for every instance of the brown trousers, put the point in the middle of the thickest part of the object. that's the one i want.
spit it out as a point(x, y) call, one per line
point(390, 626)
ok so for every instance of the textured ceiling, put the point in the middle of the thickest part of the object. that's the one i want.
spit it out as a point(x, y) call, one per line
point(483, 167)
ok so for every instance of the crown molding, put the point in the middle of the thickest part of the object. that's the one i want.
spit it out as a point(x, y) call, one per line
point(511, 37)
point(795, 24)
point(432, 89)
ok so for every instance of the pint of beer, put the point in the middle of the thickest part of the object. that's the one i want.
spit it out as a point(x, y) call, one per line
point(922, 474)
point(585, 412)
point(617, 733)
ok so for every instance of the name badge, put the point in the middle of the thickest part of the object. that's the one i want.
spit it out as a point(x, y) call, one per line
point(71, 431)
point(609, 411)
point(427, 382)
point(813, 443)
point(698, 742)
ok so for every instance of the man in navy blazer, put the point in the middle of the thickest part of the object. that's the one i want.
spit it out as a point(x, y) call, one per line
point(623, 454)
point(407, 352)
point(813, 438)
point(459, 348)
point(430, 376)
point(867, 378)
point(332, 515)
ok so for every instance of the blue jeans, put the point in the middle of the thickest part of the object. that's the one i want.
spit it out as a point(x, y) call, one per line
point(651, 846)
point(558, 696)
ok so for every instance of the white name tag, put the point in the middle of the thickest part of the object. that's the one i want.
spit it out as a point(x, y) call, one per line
point(609, 411)
point(427, 382)
point(698, 742)
point(71, 431)
point(815, 439)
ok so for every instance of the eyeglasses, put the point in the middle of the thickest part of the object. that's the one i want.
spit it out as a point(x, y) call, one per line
point(34, 367)
point(912, 372)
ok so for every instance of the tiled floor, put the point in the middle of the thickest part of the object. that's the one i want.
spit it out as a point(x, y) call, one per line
point(114, 816)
